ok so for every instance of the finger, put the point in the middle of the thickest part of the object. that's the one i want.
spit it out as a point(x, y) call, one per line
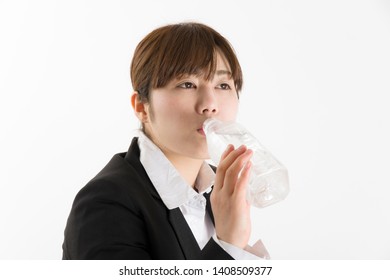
point(225, 164)
point(243, 182)
point(228, 150)
point(233, 172)
point(220, 172)
point(231, 157)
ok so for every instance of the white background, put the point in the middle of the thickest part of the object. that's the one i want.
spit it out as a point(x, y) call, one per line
point(316, 87)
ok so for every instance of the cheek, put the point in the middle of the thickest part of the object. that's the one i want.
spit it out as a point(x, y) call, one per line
point(168, 108)
point(228, 109)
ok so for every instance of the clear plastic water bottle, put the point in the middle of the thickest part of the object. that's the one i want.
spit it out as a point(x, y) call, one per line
point(268, 181)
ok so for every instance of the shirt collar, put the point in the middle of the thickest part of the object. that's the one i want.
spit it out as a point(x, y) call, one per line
point(170, 185)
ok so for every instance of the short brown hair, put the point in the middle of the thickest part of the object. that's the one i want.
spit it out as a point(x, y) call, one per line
point(174, 50)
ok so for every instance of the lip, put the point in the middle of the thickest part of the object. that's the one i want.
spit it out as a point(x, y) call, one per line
point(201, 131)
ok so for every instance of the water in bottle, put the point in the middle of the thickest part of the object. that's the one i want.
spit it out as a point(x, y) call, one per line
point(268, 181)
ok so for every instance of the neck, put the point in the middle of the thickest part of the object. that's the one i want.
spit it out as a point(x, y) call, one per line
point(188, 168)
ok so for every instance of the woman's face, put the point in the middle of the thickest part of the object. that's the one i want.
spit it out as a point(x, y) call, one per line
point(176, 112)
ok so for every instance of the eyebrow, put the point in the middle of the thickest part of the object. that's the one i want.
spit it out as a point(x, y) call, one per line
point(223, 72)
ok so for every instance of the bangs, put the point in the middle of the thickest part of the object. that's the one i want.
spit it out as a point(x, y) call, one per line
point(192, 50)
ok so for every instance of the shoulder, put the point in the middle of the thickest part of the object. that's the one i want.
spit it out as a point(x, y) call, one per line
point(121, 181)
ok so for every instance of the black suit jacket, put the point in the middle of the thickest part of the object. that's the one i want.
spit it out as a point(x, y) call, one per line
point(119, 215)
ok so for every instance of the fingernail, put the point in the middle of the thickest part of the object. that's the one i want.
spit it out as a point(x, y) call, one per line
point(242, 147)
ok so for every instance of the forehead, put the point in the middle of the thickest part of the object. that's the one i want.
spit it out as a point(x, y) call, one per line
point(220, 68)
point(221, 63)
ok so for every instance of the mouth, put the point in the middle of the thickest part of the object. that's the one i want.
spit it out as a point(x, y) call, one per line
point(200, 130)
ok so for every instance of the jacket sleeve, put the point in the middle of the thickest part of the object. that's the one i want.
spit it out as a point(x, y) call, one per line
point(212, 251)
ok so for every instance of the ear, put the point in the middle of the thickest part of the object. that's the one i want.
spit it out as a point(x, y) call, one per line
point(140, 108)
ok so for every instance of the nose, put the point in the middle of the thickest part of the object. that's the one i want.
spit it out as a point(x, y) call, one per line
point(207, 103)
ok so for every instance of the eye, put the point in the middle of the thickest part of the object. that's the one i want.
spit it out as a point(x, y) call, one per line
point(224, 86)
point(187, 85)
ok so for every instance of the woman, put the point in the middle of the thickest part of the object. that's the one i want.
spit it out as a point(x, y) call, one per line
point(161, 200)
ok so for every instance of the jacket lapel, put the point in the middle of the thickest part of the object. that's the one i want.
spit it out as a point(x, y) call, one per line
point(186, 239)
point(183, 233)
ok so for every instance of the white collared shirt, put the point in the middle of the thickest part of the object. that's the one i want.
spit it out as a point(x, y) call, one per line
point(175, 192)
